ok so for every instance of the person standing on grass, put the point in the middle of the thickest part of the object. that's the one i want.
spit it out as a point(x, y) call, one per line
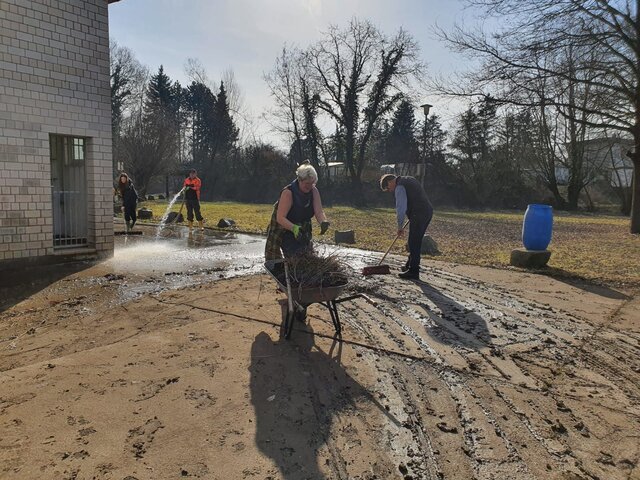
point(192, 185)
point(412, 202)
point(290, 226)
point(129, 196)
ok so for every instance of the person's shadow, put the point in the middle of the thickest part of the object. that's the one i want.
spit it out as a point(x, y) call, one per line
point(296, 390)
point(455, 325)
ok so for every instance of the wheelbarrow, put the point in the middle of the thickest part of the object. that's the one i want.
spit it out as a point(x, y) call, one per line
point(298, 299)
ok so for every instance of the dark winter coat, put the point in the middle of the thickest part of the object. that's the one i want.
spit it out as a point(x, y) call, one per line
point(129, 195)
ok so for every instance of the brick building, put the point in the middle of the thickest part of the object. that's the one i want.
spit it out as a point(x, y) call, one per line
point(55, 130)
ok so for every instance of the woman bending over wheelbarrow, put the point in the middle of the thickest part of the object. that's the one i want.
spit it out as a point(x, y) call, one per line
point(290, 226)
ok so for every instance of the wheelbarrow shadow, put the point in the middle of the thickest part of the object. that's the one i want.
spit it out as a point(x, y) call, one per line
point(297, 389)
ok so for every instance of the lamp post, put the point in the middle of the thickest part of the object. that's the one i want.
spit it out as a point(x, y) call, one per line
point(425, 108)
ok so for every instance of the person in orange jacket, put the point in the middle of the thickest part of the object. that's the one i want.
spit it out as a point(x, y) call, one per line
point(192, 185)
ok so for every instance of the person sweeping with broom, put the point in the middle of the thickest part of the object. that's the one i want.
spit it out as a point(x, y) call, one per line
point(192, 185)
point(289, 231)
point(412, 202)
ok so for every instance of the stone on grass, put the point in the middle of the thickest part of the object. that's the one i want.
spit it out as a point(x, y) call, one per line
point(226, 223)
point(175, 217)
point(145, 214)
point(521, 257)
point(428, 247)
point(347, 236)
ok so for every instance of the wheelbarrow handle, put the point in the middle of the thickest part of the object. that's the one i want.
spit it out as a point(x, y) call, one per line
point(286, 277)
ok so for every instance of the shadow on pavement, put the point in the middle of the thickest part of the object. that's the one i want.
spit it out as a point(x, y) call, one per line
point(457, 325)
point(296, 390)
point(17, 284)
point(583, 284)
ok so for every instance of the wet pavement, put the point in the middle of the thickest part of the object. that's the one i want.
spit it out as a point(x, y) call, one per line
point(178, 258)
point(177, 251)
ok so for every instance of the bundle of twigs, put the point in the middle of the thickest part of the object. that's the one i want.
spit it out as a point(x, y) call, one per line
point(312, 271)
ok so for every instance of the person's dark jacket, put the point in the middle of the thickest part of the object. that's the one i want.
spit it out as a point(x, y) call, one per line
point(418, 203)
point(129, 196)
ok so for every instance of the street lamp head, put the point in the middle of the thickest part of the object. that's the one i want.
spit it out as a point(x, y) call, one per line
point(426, 108)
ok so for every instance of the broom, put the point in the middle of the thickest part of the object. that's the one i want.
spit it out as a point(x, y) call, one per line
point(383, 269)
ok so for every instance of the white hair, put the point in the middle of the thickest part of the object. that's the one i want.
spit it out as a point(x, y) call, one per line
point(307, 172)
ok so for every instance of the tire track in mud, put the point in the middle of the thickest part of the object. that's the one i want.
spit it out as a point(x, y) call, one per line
point(466, 402)
point(537, 343)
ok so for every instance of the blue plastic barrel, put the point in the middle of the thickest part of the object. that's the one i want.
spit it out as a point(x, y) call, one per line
point(537, 227)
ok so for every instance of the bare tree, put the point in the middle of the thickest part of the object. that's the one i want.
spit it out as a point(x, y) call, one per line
point(362, 74)
point(128, 82)
point(284, 84)
point(195, 71)
point(353, 76)
point(607, 35)
point(148, 148)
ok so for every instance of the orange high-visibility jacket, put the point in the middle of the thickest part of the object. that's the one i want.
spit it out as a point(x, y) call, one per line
point(193, 183)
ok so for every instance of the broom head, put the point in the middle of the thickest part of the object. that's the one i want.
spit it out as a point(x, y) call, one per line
point(376, 270)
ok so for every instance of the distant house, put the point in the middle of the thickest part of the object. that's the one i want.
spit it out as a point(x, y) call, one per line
point(55, 130)
point(336, 169)
point(404, 169)
point(605, 157)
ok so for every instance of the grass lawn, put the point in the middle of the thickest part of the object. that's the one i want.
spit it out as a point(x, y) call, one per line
point(598, 248)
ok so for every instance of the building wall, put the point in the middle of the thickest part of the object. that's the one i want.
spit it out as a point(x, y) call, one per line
point(54, 79)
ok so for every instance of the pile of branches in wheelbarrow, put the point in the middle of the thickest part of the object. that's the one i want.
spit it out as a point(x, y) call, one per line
point(312, 271)
point(308, 279)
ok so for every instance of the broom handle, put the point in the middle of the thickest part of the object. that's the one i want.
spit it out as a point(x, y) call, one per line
point(393, 243)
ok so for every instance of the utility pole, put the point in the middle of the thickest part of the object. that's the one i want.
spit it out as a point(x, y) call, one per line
point(425, 108)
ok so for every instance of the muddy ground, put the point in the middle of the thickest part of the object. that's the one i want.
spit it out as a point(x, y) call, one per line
point(474, 374)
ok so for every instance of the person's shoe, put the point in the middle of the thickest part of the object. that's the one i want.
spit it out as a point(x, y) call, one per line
point(200, 224)
point(409, 275)
point(132, 224)
point(190, 224)
point(127, 227)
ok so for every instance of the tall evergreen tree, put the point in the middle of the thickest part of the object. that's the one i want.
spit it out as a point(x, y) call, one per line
point(226, 132)
point(200, 103)
point(162, 118)
point(401, 145)
point(161, 97)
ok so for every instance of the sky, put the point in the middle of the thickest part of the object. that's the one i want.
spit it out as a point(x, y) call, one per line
point(246, 36)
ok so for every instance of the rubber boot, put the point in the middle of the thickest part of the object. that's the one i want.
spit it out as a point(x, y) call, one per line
point(190, 225)
point(201, 225)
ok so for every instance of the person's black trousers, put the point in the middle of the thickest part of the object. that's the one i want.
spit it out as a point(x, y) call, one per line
point(193, 206)
point(130, 214)
point(417, 228)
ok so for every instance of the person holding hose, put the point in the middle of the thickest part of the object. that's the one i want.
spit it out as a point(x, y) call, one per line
point(290, 228)
point(129, 196)
point(412, 202)
point(192, 185)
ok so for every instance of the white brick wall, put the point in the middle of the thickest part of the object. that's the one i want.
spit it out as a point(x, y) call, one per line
point(54, 79)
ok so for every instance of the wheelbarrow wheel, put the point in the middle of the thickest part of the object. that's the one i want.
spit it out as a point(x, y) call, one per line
point(301, 314)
